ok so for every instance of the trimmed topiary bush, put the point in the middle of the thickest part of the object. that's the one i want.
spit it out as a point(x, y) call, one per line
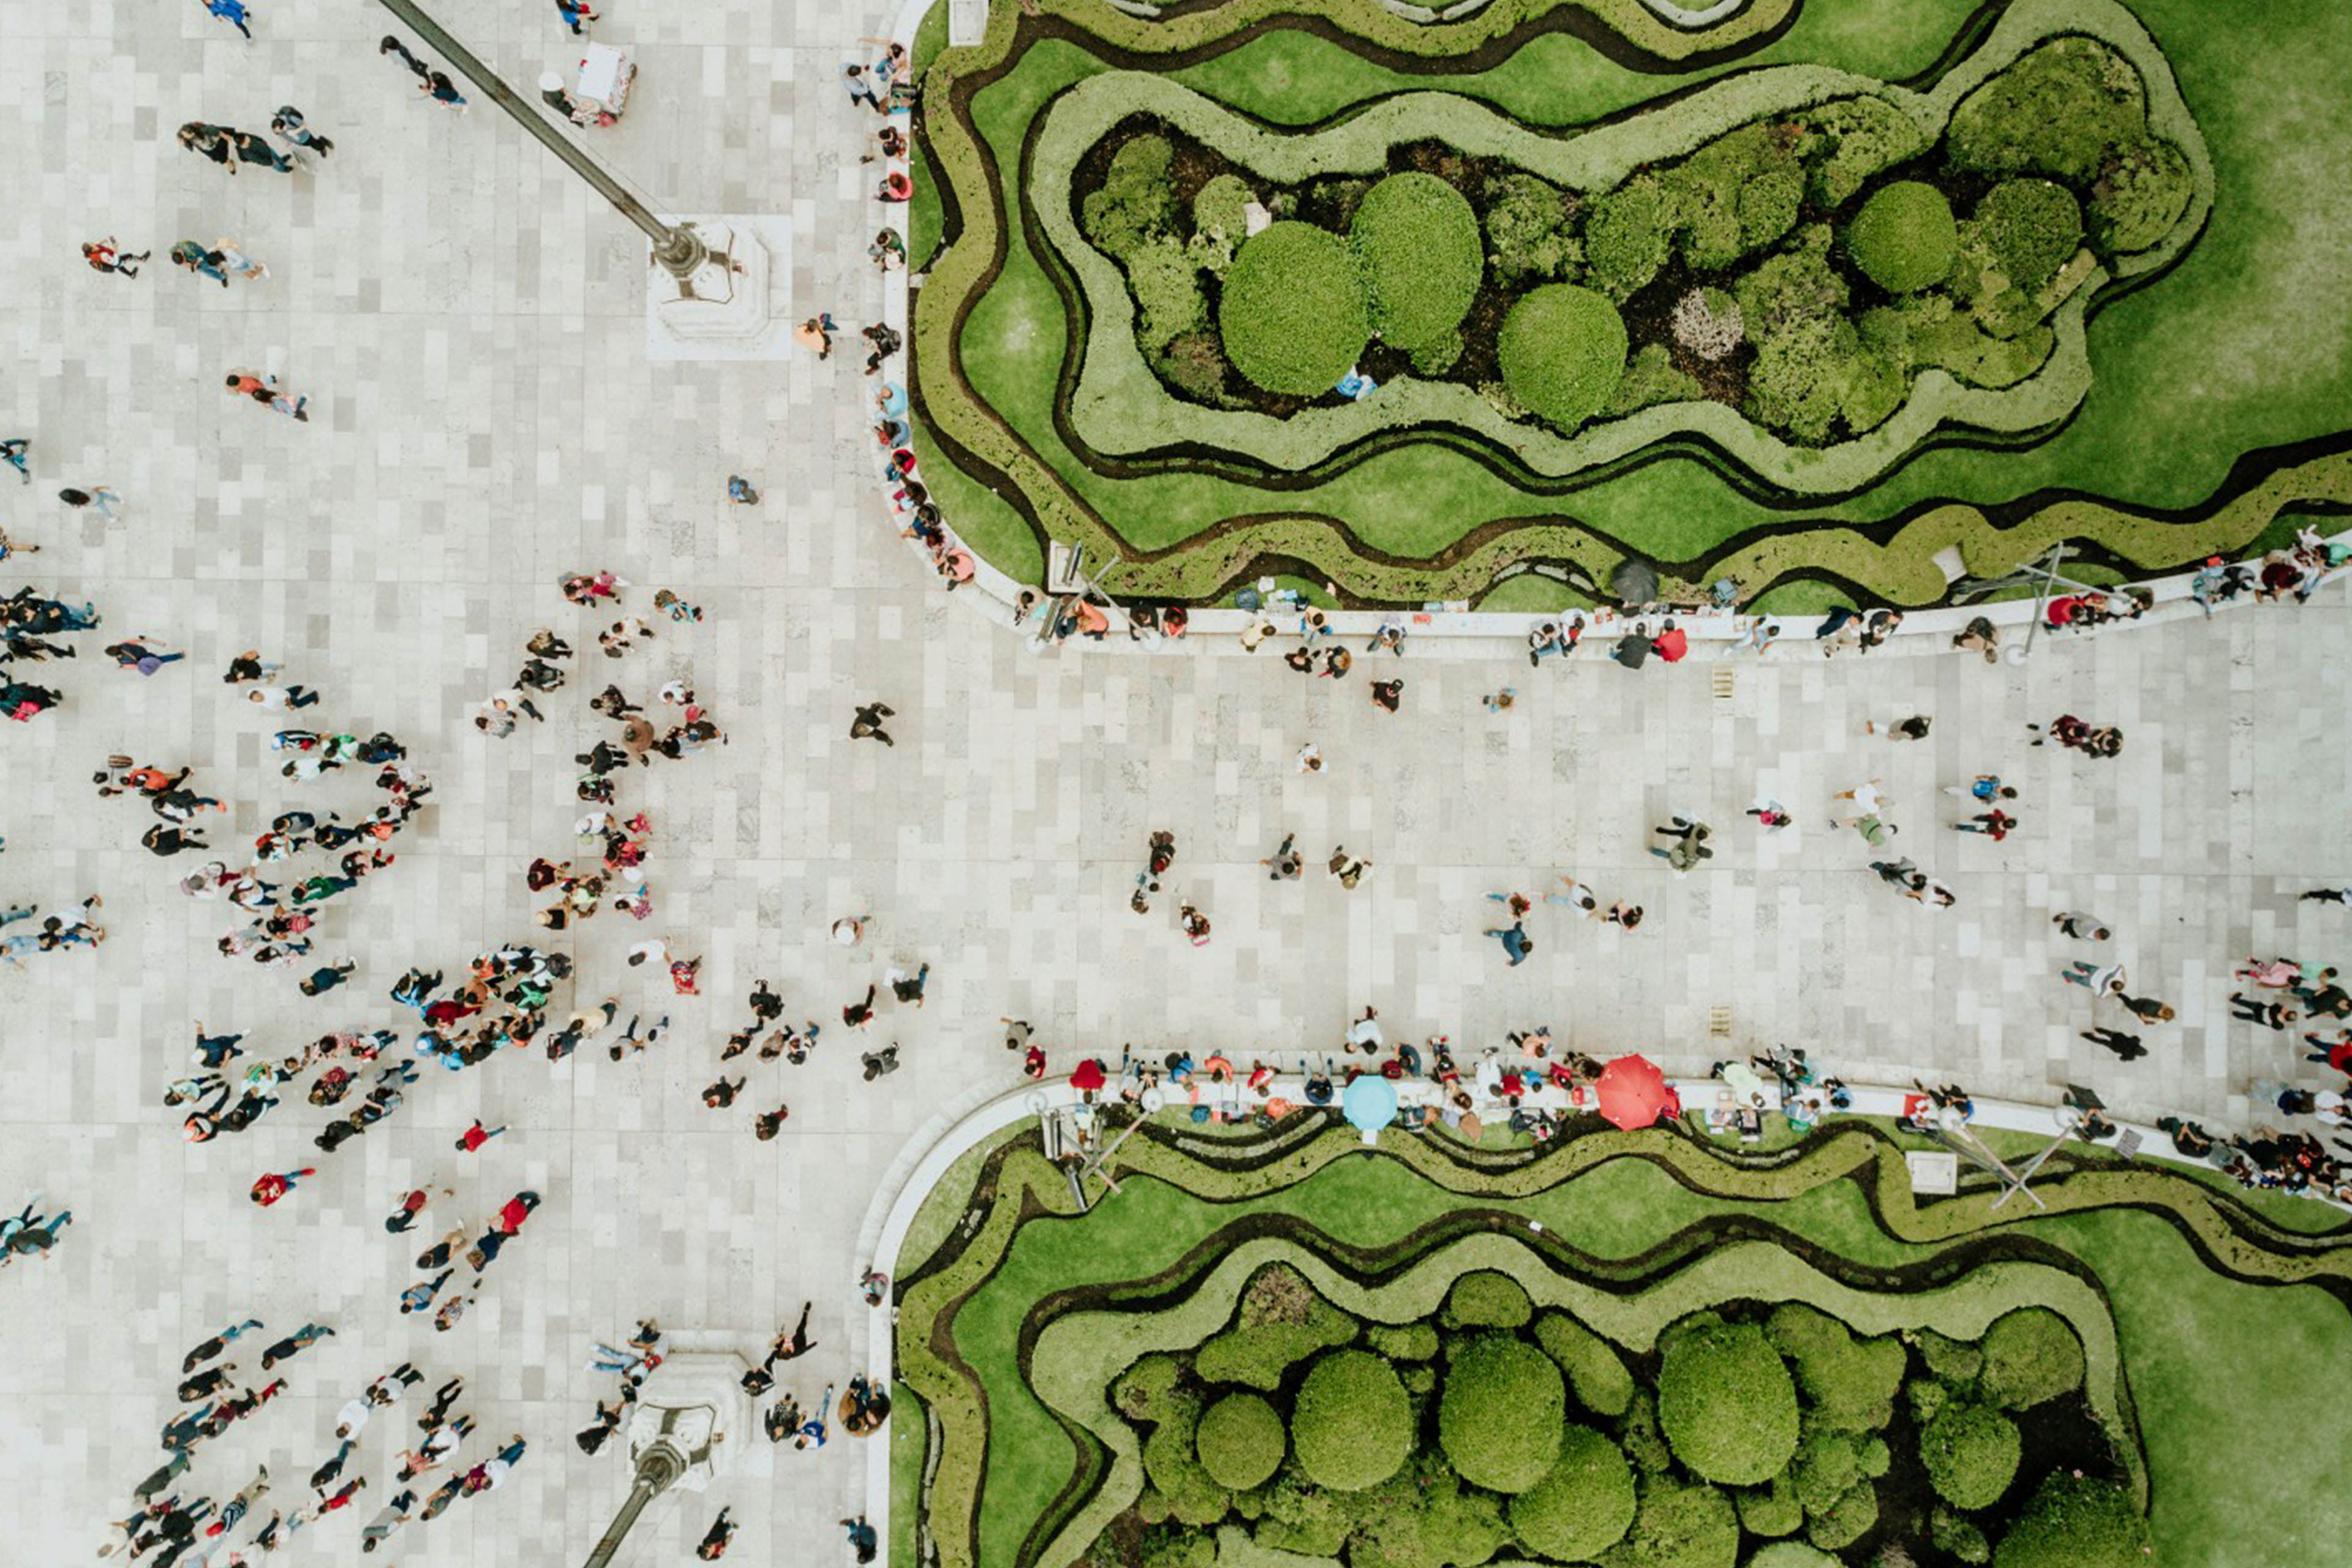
point(1292, 314)
point(1240, 1441)
point(1849, 1384)
point(1844, 1521)
point(1562, 352)
point(1167, 292)
point(1351, 1425)
point(2030, 1355)
point(2142, 189)
point(1769, 205)
point(2056, 112)
point(1530, 236)
point(1483, 1298)
point(1960, 1537)
point(1404, 1342)
point(1679, 1527)
point(1134, 204)
point(2072, 1523)
point(1793, 1554)
point(1281, 1321)
point(2031, 227)
point(1727, 1403)
point(1970, 1454)
point(1221, 208)
point(1626, 238)
point(1498, 1413)
point(1416, 240)
point(1771, 1510)
point(1583, 1506)
point(1904, 238)
point(1601, 1383)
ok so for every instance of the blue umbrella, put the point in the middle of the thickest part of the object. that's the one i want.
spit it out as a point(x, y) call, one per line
point(1371, 1102)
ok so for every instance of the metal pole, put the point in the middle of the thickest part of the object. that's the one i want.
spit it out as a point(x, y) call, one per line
point(659, 1469)
point(677, 249)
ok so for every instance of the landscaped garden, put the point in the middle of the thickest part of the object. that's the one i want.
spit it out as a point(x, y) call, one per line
point(1479, 309)
point(1274, 1349)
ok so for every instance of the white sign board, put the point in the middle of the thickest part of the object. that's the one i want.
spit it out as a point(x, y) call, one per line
point(1935, 1173)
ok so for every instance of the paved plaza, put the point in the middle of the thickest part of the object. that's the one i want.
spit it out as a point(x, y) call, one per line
point(466, 321)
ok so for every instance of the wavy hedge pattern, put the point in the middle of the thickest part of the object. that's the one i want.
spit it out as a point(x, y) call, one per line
point(1016, 1186)
point(1120, 408)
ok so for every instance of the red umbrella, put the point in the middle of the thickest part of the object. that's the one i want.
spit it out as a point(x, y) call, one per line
point(1088, 1077)
point(1633, 1093)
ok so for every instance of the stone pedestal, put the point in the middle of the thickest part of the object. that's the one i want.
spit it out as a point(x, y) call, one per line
point(736, 305)
point(692, 1423)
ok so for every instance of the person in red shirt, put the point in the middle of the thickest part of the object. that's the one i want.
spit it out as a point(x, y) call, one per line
point(517, 1210)
point(275, 1185)
point(1994, 823)
point(470, 1141)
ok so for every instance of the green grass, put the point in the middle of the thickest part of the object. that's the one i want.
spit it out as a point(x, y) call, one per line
point(2180, 1324)
point(982, 519)
point(906, 1436)
point(2247, 343)
point(925, 210)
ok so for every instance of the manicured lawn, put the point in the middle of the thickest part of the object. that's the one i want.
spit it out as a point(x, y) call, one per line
point(2244, 345)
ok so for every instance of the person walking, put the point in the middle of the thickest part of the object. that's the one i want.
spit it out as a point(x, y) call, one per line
point(2125, 1047)
point(288, 122)
point(862, 1538)
point(715, 1539)
point(576, 16)
point(2080, 926)
point(99, 496)
point(106, 256)
point(1515, 943)
point(199, 260)
point(238, 262)
point(437, 87)
point(1348, 869)
point(392, 45)
point(12, 452)
point(471, 1140)
point(868, 724)
point(2108, 981)
point(234, 13)
point(276, 1185)
point(1995, 825)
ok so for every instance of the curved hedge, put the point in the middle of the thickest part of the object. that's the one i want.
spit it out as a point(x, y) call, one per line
point(1562, 352)
point(1727, 1403)
point(1970, 1454)
point(1594, 1370)
point(1498, 1413)
point(2072, 1523)
point(2030, 1355)
point(1240, 1441)
point(1351, 1426)
point(1904, 239)
point(1417, 241)
point(1583, 1506)
point(1292, 315)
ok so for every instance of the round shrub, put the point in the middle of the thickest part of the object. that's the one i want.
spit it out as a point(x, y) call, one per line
point(1351, 1426)
point(2030, 1355)
point(1626, 238)
point(1240, 1441)
point(1498, 1416)
point(1904, 238)
point(1583, 1506)
point(2072, 1523)
point(1293, 314)
point(1221, 207)
point(1416, 239)
point(1485, 1299)
point(2033, 228)
point(1562, 351)
point(1771, 1510)
point(1133, 204)
point(1727, 1403)
point(1680, 1527)
point(1768, 206)
point(1970, 1454)
point(1793, 1554)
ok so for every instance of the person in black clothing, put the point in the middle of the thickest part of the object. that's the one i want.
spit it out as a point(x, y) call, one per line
point(2126, 1047)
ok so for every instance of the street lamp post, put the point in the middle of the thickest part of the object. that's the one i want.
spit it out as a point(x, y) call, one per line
point(677, 249)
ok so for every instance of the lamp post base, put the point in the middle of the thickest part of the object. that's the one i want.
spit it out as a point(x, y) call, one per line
point(734, 306)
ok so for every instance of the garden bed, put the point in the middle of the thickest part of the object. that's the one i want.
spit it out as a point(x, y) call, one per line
point(2207, 422)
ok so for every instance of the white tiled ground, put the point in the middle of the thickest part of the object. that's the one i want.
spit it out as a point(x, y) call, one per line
point(466, 321)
